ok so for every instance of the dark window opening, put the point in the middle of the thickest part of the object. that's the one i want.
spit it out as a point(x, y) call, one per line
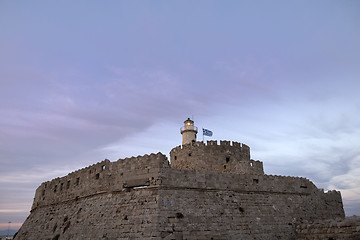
point(77, 181)
point(43, 192)
point(68, 184)
point(90, 172)
point(175, 157)
point(61, 186)
point(55, 188)
point(97, 176)
point(224, 166)
point(303, 186)
point(256, 180)
point(189, 154)
point(227, 159)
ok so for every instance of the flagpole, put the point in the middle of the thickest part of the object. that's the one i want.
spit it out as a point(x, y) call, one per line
point(203, 134)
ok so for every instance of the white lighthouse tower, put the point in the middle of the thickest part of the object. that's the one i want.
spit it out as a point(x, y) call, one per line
point(188, 132)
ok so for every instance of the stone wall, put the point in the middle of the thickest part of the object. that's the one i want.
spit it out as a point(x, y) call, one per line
point(348, 228)
point(111, 215)
point(224, 157)
point(184, 204)
point(205, 205)
point(104, 176)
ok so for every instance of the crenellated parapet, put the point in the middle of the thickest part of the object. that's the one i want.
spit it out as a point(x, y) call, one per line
point(224, 157)
point(105, 176)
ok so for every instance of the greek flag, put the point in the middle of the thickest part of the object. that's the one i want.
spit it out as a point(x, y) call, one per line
point(207, 132)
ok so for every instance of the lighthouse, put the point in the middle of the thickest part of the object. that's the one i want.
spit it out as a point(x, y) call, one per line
point(188, 132)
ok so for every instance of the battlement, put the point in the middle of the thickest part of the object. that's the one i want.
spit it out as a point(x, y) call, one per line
point(224, 157)
point(214, 143)
point(104, 176)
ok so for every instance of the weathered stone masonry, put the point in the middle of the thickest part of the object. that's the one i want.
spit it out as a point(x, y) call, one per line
point(210, 191)
point(227, 157)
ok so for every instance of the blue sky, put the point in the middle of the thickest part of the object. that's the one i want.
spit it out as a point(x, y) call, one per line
point(88, 80)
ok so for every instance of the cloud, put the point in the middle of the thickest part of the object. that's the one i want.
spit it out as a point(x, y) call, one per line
point(52, 120)
point(321, 141)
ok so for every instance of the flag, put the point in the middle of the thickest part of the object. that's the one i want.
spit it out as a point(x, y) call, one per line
point(207, 132)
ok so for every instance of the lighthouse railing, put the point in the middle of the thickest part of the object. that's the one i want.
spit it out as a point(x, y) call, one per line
point(184, 129)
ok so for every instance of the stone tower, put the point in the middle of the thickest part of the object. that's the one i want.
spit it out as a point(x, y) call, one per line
point(188, 132)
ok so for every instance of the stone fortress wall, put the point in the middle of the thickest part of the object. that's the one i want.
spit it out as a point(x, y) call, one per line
point(348, 228)
point(212, 205)
point(104, 176)
point(145, 197)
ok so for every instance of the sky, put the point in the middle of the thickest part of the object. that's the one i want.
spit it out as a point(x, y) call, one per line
point(81, 81)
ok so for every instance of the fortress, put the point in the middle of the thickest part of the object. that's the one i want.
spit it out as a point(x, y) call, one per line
point(209, 191)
